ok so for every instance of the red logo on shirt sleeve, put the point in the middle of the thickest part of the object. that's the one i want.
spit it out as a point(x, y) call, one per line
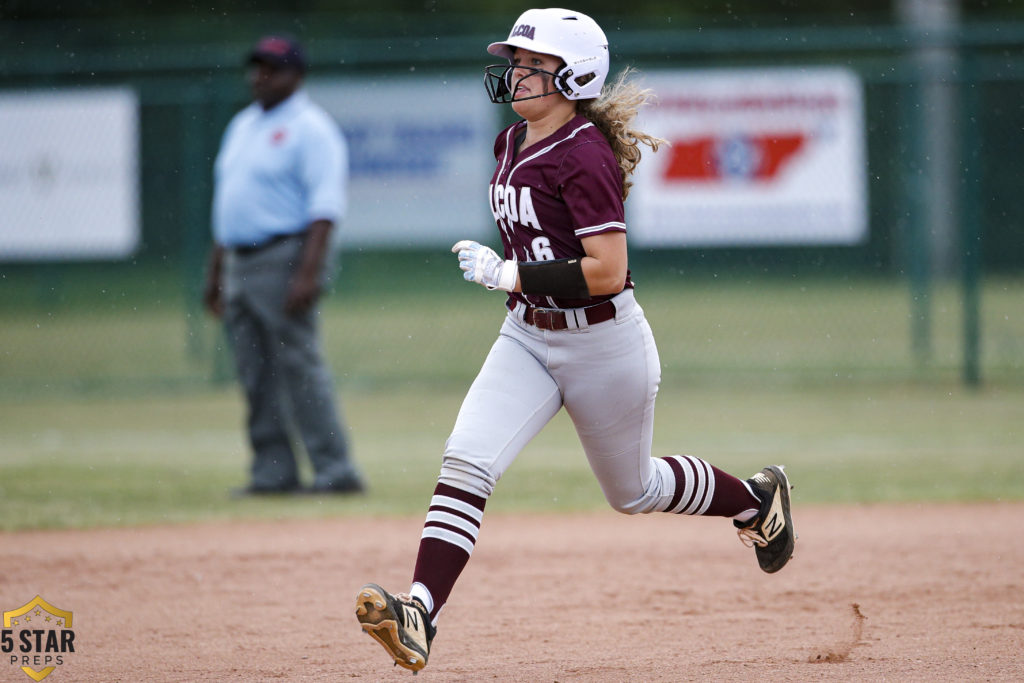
point(278, 136)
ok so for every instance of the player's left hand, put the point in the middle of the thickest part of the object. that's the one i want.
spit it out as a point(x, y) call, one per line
point(483, 265)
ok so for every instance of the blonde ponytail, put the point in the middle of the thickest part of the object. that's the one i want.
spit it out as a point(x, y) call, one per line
point(613, 114)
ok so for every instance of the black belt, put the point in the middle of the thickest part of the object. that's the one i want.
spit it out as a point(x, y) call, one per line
point(556, 318)
point(248, 250)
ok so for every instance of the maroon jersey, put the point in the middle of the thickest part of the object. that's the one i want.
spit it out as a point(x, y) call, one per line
point(551, 195)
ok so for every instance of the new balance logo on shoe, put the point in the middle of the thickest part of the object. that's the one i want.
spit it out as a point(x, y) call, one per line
point(413, 619)
point(776, 522)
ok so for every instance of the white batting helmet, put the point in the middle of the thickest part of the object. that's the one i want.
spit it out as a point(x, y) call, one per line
point(571, 36)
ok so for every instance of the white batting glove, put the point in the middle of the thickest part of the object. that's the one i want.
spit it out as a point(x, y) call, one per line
point(483, 265)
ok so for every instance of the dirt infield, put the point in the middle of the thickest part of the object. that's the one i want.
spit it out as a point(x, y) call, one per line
point(900, 593)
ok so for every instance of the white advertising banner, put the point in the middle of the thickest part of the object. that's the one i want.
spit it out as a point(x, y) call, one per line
point(69, 180)
point(756, 157)
point(420, 155)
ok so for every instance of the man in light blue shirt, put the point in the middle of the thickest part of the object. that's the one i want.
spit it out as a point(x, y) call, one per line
point(279, 191)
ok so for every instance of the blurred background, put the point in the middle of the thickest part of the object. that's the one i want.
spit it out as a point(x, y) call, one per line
point(911, 267)
point(831, 251)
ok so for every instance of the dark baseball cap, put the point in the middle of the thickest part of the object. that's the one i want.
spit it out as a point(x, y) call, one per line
point(279, 51)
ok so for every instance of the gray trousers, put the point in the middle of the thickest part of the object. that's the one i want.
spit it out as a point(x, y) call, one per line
point(605, 375)
point(287, 384)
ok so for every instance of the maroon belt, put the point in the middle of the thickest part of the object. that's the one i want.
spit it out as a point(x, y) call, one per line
point(555, 318)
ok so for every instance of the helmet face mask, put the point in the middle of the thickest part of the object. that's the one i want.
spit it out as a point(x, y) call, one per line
point(498, 80)
point(574, 38)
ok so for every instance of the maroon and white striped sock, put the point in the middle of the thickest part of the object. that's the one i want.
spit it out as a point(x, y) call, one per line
point(703, 489)
point(449, 536)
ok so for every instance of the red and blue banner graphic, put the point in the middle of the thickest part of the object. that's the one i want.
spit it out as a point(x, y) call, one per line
point(755, 157)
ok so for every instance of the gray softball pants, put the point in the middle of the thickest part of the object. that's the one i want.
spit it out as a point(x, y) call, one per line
point(606, 375)
point(287, 384)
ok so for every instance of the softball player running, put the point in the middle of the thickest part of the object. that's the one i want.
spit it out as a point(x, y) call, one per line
point(574, 337)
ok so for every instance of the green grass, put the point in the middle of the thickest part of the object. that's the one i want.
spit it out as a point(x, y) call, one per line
point(110, 413)
point(83, 461)
point(415, 322)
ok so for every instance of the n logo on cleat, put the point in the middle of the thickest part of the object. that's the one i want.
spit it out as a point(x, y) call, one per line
point(775, 522)
point(415, 629)
point(412, 617)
